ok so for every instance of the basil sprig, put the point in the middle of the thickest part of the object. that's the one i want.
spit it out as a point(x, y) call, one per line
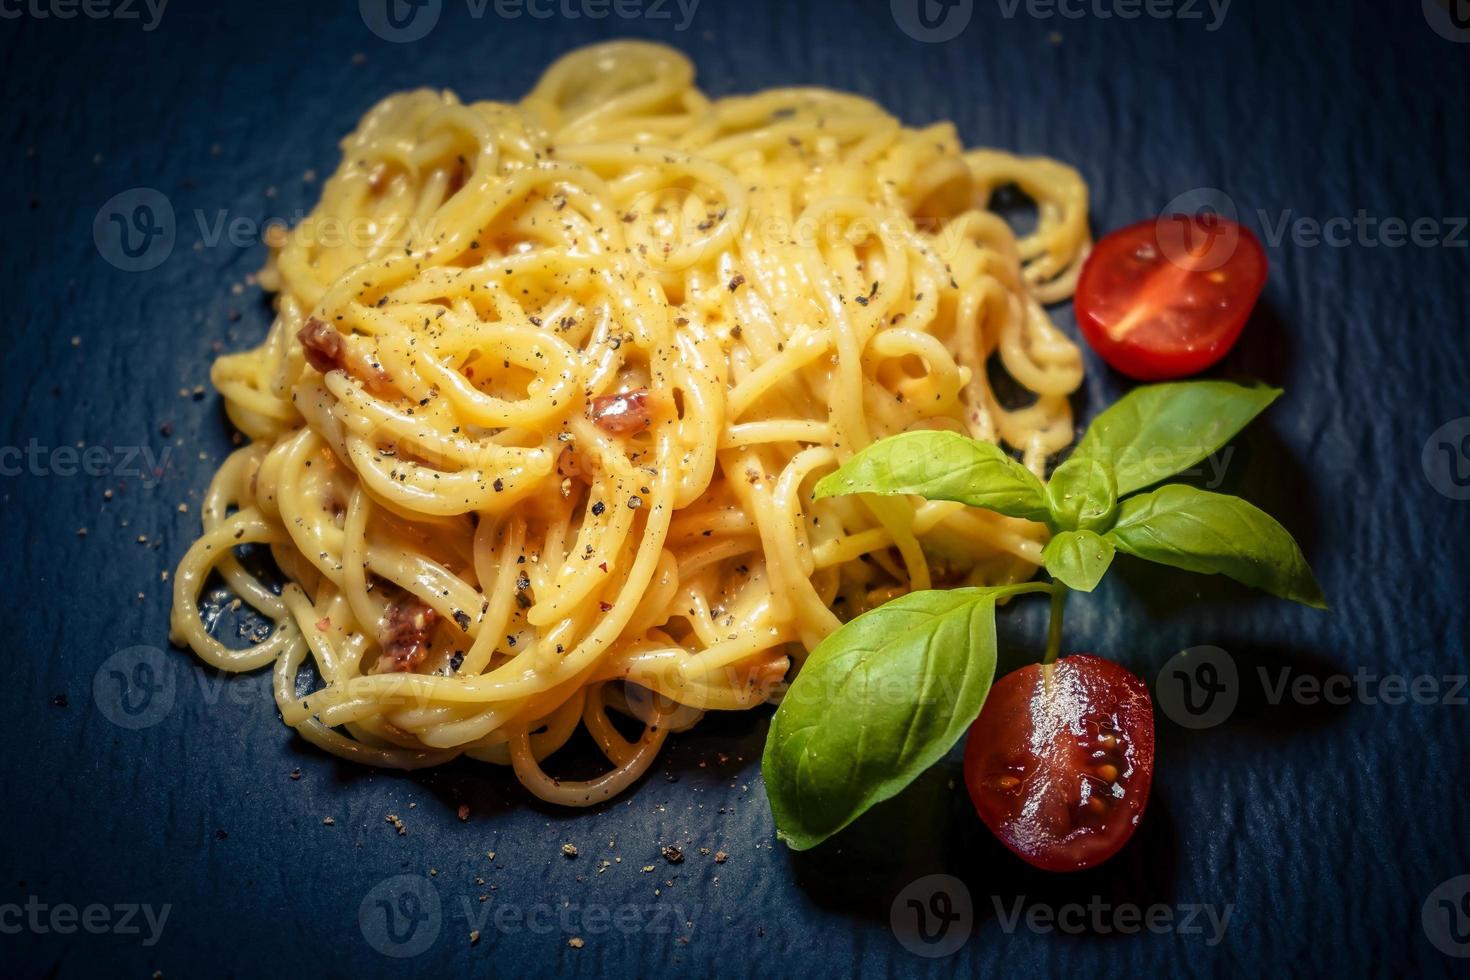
point(1156, 431)
point(888, 694)
point(1207, 532)
point(1151, 433)
point(1078, 559)
point(942, 466)
point(1083, 493)
point(877, 703)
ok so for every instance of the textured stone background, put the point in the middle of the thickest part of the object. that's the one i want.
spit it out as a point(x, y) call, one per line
point(1323, 827)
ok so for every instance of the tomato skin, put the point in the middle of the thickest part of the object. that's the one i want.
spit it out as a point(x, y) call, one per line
point(1168, 297)
point(1039, 758)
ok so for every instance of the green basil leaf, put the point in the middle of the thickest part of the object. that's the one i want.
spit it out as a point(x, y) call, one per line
point(1157, 431)
point(1078, 559)
point(1083, 494)
point(877, 703)
point(1184, 527)
point(942, 466)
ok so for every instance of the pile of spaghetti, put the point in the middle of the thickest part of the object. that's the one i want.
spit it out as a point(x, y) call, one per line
point(533, 434)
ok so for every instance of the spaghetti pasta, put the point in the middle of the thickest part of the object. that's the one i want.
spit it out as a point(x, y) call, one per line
point(533, 434)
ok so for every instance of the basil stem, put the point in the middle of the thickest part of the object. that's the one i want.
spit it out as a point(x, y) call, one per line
point(1054, 628)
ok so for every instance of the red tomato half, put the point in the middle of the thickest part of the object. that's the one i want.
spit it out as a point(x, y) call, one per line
point(1059, 762)
point(1167, 298)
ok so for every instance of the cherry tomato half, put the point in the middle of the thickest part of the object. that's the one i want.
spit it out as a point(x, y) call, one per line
point(1059, 762)
point(1166, 298)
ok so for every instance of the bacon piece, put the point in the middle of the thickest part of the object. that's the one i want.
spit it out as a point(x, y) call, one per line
point(457, 180)
point(767, 674)
point(571, 466)
point(405, 636)
point(325, 348)
point(623, 414)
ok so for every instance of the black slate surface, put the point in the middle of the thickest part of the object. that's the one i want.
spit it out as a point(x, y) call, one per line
point(1325, 829)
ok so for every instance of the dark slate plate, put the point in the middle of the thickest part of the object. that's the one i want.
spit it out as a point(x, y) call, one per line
point(1332, 833)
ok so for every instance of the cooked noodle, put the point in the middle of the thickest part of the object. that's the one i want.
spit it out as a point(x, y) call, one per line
point(486, 549)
